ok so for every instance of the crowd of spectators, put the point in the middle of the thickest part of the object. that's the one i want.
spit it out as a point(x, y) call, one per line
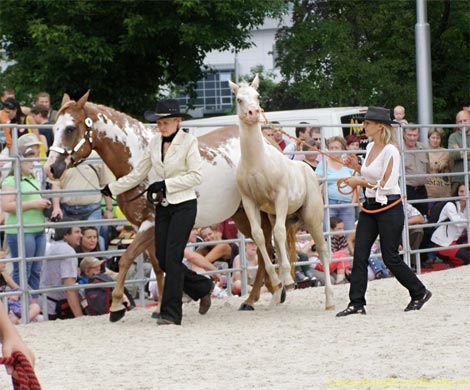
point(431, 172)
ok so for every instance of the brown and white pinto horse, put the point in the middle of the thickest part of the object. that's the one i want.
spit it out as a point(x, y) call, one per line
point(271, 183)
point(120, 141)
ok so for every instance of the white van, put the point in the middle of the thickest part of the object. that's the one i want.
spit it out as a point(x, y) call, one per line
point(329, 119)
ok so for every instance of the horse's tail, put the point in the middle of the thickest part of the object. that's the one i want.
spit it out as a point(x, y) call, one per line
point(292, 224)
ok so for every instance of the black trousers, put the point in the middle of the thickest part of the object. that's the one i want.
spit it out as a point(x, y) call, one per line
point(173, 225)
point(389, 225)
point(418, 192)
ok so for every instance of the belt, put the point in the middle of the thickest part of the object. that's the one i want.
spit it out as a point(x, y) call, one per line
point(390, 198)
point(416, 188)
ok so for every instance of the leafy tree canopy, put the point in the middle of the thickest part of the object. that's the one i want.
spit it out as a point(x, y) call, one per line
point(362, 52)
point(125, 51)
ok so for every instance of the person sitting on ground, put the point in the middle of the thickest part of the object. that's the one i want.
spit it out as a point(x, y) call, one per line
point(376, 268)
point(251, 256)
point(14, 301)
point(62, 272)
point(455, 233)
point(219, 254)
point(306, 251)
point(90, 266)
point(90, 243)
point(339, 270)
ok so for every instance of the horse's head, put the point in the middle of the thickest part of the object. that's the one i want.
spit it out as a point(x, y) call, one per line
point(247, 96)
point(73, 141)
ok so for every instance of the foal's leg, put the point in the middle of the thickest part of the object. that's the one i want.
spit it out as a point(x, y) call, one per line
point(254, 217)
point(159, 275)
point(142, 240)
point(312, 214)
point(280, 237)
point(243, 225)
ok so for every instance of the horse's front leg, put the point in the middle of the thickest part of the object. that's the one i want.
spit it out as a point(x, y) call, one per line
point(280, 239)
point(142, 240)
point(254, 217)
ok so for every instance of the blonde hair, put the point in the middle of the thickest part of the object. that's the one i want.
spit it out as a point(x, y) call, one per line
point(336, 138)
point(388, 134)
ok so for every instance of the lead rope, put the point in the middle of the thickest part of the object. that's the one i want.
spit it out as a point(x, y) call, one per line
point(25, 376)
point(341, 183)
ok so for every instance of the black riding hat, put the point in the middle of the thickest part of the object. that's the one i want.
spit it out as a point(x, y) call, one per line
point(379, 114)
point(169, 108)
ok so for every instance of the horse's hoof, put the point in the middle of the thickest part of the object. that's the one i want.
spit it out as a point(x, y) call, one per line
point(283, 295)
point(115, 316)
point(155, 315)
point(332, 307)
point(246, 307)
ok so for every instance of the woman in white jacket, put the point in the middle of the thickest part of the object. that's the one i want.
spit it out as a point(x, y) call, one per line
point(174, 156)
point(453, 233)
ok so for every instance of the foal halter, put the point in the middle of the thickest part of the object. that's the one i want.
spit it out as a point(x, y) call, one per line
point(88, 136)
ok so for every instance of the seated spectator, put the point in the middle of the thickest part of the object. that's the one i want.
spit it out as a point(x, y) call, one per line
point(306, 251)
point(339, 270)
point(90, 243)
point(414, 218)
point(62, 272)
point(228, 229)
point(91, 266)
point(332, 170)
point(221, 255)
point(251, 256)
point(376, 268)
point(454, 233)
point(14, 301)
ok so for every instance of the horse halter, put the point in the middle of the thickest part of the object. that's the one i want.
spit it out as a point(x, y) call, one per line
point(88, 136)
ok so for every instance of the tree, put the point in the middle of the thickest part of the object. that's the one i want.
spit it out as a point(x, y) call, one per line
point(124, 51)
point(357, 52)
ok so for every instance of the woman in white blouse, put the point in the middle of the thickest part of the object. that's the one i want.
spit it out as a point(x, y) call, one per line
point(455, 233)
point(380, 174)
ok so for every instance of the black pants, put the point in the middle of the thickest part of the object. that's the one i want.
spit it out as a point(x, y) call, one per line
point(389, 225)
point(173, 225)
point(418, 192)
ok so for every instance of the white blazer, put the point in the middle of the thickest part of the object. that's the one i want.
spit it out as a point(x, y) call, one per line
point(444, 235)
point(181, 168)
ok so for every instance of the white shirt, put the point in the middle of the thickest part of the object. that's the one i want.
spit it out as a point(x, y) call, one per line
point(374, 172)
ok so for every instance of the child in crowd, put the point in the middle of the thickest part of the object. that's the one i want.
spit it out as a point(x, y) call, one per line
point(306, 251)
point(399, 114)
point(14, 301)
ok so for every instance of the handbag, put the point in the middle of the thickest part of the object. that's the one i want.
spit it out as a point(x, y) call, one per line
point(62, 308)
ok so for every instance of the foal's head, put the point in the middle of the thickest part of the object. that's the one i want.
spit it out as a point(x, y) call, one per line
point(247, 96)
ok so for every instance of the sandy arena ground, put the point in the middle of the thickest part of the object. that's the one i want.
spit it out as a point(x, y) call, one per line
point(296, 346)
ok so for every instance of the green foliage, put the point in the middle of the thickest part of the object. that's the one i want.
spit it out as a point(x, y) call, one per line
point(358, 52)
point(125, 51)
